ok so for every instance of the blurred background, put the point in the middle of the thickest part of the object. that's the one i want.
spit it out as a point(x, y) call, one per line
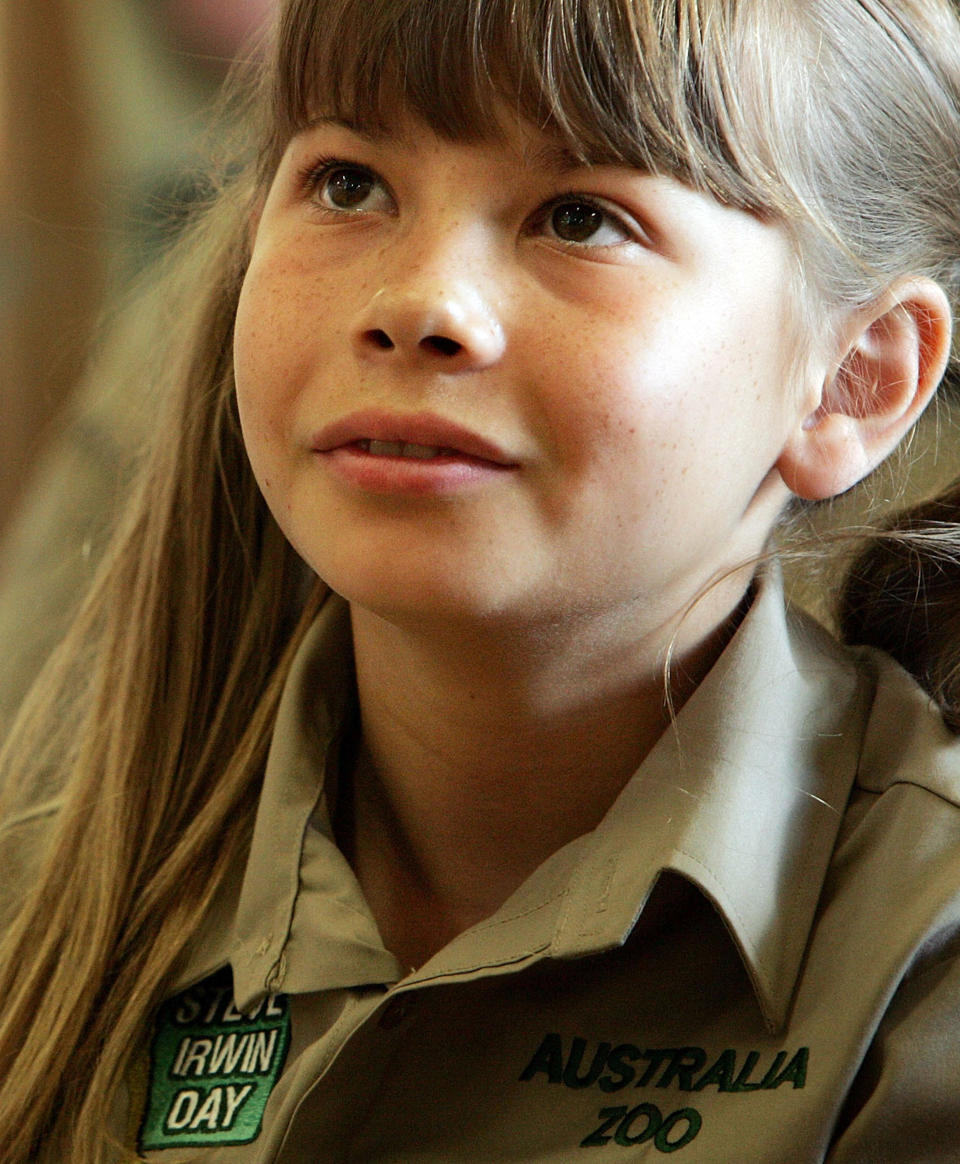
point(104, 113)
point(104, 107)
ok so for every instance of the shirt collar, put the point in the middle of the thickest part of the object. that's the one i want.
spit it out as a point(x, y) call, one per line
point(743, 796)
point(249, 922)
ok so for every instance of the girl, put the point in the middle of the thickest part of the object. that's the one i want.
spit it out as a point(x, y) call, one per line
point(434, 773)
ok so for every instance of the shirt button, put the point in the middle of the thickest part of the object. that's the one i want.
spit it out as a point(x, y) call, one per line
point(395, 1012)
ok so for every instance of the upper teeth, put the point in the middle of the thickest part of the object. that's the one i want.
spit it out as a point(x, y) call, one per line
point(400, 449)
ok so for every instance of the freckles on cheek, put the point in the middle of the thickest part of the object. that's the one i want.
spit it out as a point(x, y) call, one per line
point(260, 336)
point(265, 373)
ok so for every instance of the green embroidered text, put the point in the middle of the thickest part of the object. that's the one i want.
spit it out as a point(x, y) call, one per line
point(212, 1068)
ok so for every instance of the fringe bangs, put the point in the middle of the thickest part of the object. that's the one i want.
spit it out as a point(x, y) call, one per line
point(657, 85)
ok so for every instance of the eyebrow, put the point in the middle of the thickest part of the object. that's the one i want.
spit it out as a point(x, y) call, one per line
point(559, 158)
point(375, 134)
point(553, 156)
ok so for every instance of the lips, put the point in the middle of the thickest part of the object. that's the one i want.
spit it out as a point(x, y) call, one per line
point(417, 436)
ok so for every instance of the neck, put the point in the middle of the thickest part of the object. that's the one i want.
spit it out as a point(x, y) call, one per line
point(483, 754)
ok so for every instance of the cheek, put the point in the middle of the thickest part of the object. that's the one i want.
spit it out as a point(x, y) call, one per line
point(260, 352)
point(671, 424)
point(623, 391)
point(271, 349)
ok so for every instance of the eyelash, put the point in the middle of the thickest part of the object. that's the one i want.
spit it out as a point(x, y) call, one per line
point(312, 176)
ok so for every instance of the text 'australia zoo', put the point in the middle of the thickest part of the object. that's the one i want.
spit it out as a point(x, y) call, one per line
point(612, 1067)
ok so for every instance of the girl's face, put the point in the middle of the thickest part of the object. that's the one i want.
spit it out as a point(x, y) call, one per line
point(480, 380)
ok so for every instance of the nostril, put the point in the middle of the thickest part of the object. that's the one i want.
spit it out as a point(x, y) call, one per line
point(380, 339)
point(441, 344)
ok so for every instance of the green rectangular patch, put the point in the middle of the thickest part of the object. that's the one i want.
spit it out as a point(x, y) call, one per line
point(212, 1068)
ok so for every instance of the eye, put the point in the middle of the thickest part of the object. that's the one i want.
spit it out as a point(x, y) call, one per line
point(347, 188)
point(586, 222)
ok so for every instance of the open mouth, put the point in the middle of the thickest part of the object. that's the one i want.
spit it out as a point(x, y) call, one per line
point(421, 436)
point(403, 449)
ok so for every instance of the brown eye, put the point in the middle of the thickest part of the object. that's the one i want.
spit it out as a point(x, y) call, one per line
point(347, 189)
point(344, 188)
point(588, 223)
point(576, 222)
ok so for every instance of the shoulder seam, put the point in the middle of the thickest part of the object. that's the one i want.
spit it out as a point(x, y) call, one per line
point(953, 802)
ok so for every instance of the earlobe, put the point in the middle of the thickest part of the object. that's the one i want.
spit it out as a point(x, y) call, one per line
point(892, 357)
point(825, 458)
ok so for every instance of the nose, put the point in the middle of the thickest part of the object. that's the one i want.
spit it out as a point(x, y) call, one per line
point(431, 320)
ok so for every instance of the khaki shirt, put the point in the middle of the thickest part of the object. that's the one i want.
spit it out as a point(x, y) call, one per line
point(803, 1005)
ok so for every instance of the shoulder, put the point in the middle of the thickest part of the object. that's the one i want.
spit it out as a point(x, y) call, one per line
point(899, 841)
point(890, 914)
point(906, 741)
point(894, 881)
point(24, 840)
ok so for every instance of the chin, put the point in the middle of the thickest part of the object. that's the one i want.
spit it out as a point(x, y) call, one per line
point(402, 593)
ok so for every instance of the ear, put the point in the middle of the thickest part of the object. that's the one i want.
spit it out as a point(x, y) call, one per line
point(893, 354)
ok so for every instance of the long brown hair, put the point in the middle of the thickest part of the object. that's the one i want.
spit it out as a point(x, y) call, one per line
point(156, 713)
